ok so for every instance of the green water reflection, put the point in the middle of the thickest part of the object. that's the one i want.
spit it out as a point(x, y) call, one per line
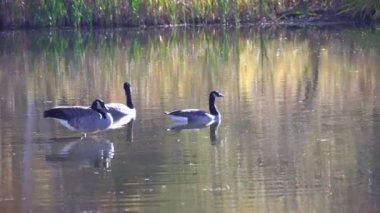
point(299, 131)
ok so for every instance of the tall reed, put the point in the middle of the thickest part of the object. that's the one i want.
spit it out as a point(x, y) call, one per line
point(363, 9)
point(108, 13)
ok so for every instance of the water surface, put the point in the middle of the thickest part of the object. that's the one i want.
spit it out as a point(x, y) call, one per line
point(299, 131)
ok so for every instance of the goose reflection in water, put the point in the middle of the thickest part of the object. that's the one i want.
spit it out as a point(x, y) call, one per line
point(127, 123)
point(197, 125)
point(86, 151)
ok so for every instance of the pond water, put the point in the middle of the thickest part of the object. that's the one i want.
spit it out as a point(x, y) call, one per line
point(300, 122)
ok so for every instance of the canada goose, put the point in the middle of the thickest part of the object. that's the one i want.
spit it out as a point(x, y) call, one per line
point(118, 110)
point(82, 119)
point(191, 115)
point(122, 122)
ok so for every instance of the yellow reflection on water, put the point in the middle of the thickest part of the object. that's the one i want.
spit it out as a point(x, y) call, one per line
point(296, 132)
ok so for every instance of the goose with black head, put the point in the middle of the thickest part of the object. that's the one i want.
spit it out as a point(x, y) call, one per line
point(197, 115)
point(118, 110)
point(82, 119)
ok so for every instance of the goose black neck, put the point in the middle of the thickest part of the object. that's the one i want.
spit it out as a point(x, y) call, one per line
point(129, 97)
point(212, 106)
point(103, 114)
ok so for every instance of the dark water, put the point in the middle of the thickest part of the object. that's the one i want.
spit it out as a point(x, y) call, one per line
point(300, 128)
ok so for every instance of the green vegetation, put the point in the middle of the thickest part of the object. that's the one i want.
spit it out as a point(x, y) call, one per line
point(362, 9)
point(106, 13)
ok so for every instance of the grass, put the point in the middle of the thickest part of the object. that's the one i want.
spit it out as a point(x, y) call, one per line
point(106, 13)
point(362, 9)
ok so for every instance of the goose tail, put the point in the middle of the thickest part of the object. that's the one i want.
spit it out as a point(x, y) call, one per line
point(48, 113)
point(55, 113)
